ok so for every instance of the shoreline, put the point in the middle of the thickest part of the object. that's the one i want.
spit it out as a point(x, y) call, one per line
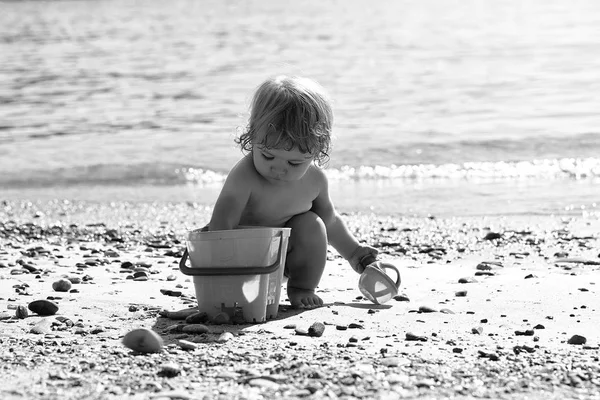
point(443, 198)
point(532, 285)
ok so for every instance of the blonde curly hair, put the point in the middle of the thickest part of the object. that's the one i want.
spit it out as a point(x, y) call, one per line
point(289, 112)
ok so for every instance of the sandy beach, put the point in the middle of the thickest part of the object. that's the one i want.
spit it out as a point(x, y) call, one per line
point(503, 307)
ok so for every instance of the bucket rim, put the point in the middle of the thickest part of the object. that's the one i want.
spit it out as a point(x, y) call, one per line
point(241, 232)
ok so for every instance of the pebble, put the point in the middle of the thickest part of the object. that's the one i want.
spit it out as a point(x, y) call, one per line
point(41, 328)
point(225, 337)
point(492, 236)
point(195, 329)
point(169, 370)
point(489, 355)
point(263, 383)
point(221, 319)
point(394, 361)
point(21, 312)
point(316, 329)
point(577, 339)
point(467, 280)
point(427, 309)
point(178, 315)
point(143, 340)
point(187, 345)
point(413, 337)
point(528, 332)
point(43, 307)
point(62, 285)
point(461, 293)
point(401, 297)
point(301, 331)
point(197, 318)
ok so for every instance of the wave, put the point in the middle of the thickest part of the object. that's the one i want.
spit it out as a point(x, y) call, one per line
point(170, 174)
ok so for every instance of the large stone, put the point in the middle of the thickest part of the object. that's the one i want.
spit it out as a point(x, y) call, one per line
point(143, 340)
point(43, 307)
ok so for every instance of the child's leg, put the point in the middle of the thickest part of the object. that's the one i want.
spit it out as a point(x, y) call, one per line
point(306, 258)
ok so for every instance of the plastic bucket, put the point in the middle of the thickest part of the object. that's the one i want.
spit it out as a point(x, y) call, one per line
point(238, 272)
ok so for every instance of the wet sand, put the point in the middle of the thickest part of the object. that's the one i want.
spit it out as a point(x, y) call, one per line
point(503, 307)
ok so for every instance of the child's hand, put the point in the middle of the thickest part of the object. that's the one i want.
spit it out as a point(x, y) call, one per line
point(361, 253)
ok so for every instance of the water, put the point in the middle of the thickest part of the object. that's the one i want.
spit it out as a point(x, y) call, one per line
point(441, 107)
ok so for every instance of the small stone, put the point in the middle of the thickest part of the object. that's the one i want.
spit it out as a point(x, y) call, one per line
point(197, 318)
point(221, 318)
point(169, 370)
point(21, 312)
point(461, 293)
point(394, 361)
point(401, 297)
point(492, 236)
point(187, 345)
point(316, 329)
point(263, 383)
point(477, 330)
point(341, 327)
point(96, 330)
point(354, 325)
point(301, 331)
point(466, 280)
point(62, 285)
point(457, 350)
point(196, 329)
point(43, 307)
point(528, 332)
point(225, 337)
point(577, 339)
point(41, 328)
point(290, 326)
point(427, 309)
point(489, 355)
point(413, 337)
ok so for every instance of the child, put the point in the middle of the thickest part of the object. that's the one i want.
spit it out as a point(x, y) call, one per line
point(279, 183)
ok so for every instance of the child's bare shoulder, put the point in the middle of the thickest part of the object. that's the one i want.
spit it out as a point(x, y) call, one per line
point(316, 176)
point(243, 172)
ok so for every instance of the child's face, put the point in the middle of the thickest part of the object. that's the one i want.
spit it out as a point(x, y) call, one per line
point(279, 166)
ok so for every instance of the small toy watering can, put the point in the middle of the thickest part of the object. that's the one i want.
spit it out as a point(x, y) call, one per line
point(374, 283)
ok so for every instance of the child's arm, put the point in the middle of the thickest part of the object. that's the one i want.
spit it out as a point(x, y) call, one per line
point(231, 201)
point(338, 234)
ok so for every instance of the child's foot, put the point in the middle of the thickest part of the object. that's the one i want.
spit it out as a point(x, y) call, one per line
point(303, 298)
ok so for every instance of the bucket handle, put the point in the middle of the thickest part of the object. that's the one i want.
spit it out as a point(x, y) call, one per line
point(230, 270)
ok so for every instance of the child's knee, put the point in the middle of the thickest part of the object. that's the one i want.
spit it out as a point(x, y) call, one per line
point(308, 226)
